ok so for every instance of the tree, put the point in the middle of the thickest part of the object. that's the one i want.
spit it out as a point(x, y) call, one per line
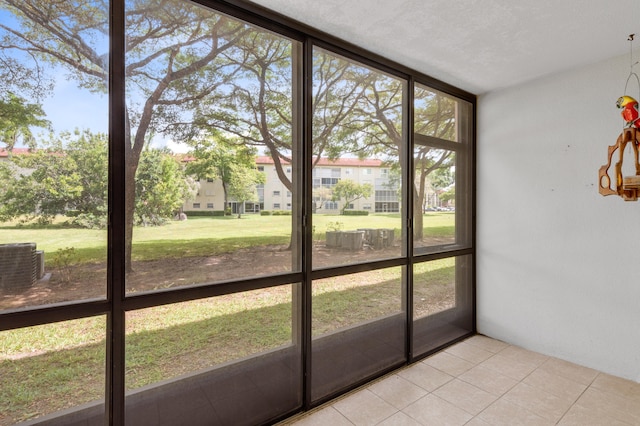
point(67, 174)
point(321, 195)
point(161, 186)
point(242, 185)
point(348, 191)
point(16, 119)
point(173, 58)
point(217, 157)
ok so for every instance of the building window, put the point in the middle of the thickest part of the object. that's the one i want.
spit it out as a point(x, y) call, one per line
point(276, 193)
point(276, 206)
point(288, 194)
point(331, 205)
point(196, 205)
point(366, 171)
point(261, 168)
point(209, 205)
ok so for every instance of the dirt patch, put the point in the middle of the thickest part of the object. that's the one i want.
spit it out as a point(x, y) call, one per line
point(89, 281)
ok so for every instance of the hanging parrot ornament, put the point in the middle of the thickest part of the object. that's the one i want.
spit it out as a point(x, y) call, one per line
point(630, 112)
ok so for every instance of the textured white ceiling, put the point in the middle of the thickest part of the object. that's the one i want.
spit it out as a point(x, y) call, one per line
point(477, 45)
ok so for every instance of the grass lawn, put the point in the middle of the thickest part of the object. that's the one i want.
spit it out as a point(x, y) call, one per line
point(54, 366)
point(200, 236)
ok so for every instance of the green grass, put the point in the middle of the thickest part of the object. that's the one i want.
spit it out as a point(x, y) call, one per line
point(201, 236)
point(53, 366)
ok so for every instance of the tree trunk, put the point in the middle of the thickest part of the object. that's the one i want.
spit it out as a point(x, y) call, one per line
point(130, 203)
point(418, 222)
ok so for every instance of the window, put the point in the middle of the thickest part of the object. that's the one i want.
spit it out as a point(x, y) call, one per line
point(234, 278)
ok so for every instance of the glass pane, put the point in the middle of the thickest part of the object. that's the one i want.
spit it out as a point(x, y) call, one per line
point(442, 302)
point(358, 328)
point(443, 153)
point(53, 152)
point(434, 197)
point(434, 287)
point(435, 114)
point(231, 359)
point(52, 367)
point(358, 144)
point(213, 179)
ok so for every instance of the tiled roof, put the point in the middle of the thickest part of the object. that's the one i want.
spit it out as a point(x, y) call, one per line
point(343, 162)
point(17, 151)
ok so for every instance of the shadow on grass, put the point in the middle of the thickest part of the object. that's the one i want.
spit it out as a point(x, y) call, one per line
point(48, 382)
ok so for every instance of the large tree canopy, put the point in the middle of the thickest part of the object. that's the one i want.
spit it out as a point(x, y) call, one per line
point(67, 175)
point(189, 69)
point(173, 59)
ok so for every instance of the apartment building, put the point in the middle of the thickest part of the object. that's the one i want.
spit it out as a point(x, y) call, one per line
point(274, 194)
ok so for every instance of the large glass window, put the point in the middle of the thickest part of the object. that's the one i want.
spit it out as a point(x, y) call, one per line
point(212, 218)
point(210, 359)
point(358, 119)
point(220, 90)
point(442, 302)
point(442, 171)
point(53, 152)
point(358, 328)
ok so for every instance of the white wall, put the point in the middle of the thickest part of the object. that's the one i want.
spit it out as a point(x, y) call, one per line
point(558, 264)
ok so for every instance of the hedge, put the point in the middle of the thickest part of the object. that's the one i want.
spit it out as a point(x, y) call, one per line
point(204, 213)
point(356, 213)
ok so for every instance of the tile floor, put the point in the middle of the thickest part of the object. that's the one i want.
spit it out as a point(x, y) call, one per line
point(482, 381)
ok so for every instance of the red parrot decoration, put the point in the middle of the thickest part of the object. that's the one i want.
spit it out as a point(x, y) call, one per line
point(630, 112)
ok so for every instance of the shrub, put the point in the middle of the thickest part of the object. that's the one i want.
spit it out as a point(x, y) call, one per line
point(194, 213)
point(281, 213)
point(265, 212)
point(356, 213)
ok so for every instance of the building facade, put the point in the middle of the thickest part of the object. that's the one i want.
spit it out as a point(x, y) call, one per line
point(274, 195)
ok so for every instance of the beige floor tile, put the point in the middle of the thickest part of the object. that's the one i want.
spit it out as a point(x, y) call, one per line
point(397, 391)
point(523, 355)
point(322, 417)
point(509, 366)
point(614, 406)
point(425, 376)
point(399, 419)
point(489, 380)
point(448, 363)
point(469, 352)
point(619, 386)
point(466, 396)
point(487, 343)
point(577, 373)
point(591, 416)
point(432, 410)
point(554, 384)
point(477, 421)
point(364, 408)
point(505, 413)
point(542, 403)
